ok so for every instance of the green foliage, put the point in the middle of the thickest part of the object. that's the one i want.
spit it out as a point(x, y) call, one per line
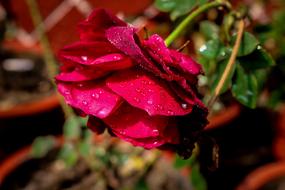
point(42, 145)
point(68, 154)
point(211, 49)
point(177, 8)
point(258, 59)
point(197, 178)
point(180, 163)
point(253, 62)
point(209, 29)
point(72, 128)
point(248, 43)
point(218, 74)
point(245, 87)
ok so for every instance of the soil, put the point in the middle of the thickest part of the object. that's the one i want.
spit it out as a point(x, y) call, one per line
point(23, 78)
point(49, 173)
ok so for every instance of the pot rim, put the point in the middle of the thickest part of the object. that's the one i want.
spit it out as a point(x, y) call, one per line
point(262, 175)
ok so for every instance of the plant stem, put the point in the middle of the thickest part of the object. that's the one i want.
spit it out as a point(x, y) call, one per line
point(47, 52)
point(229, 66)
point(181, 27)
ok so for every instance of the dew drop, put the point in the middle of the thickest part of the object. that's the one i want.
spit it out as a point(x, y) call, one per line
point(67, 92)
point(170, 112)
point(159, 107)
point(150, 102)
point(116, 57)
point(122, 132)
point(155, 142)
point(136, 99)
point(138, 90)
point(84, 58)
point(155, 132)
point(84, 102)
point(95, 95)
point(203, 48)
point(184, 106)
point(80, 85)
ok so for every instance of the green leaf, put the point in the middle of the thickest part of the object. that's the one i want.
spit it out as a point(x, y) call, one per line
point(248, 43)
point(218, 74)
point(211, 49)
point(182, 7)
point(197, 179)
point(42, 145)
point(180, 163)
point(68, 154)
point(245, 87)
point(261, 77)
point(258, 59)
point(72, 128)
point(209, 29)
point(165, 5)
point(84, 148)
point(177, 8)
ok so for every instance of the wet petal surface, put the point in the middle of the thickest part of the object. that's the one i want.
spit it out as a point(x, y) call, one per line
point(136, 126)
point(92, 98)
point(147, 92)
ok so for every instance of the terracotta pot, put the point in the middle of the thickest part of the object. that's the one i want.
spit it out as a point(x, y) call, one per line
point(30, 108)
point(224, 117)
point(263, 176)
point(36, 106)
point(16, 159)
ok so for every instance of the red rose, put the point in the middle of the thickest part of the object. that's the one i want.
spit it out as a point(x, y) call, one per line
point(141, 91)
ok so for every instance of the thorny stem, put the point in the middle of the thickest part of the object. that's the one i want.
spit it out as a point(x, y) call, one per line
point(181, 27)
point(47, 52)
point(229, 66)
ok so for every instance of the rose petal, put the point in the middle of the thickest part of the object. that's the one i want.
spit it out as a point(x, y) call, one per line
point(90, 97)
point(156, 47)
point(123, 38)
point(148, 93)
point(113, 61)
point(136, 126)
point(186, 63)
point(79, 74)
point(85, 52)
point(96, 125)
point(93, 28)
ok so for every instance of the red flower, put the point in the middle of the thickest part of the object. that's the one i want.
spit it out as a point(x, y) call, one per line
point(141, 91)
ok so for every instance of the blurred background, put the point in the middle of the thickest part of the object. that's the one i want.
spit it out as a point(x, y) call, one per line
point(30, 108)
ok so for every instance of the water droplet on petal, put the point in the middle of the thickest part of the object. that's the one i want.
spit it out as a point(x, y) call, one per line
point(136, 99)
point(84, 102)
point(80, 85)
point(155, 142)
point(116, 57)
point(150, 102)
point(138, 90)
point(160, 106)
point(122, 132)
point(184, 106)
point(95, 95)
point(67, 92)
point(84, 58)
point(155, 132)
point(170, 112)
